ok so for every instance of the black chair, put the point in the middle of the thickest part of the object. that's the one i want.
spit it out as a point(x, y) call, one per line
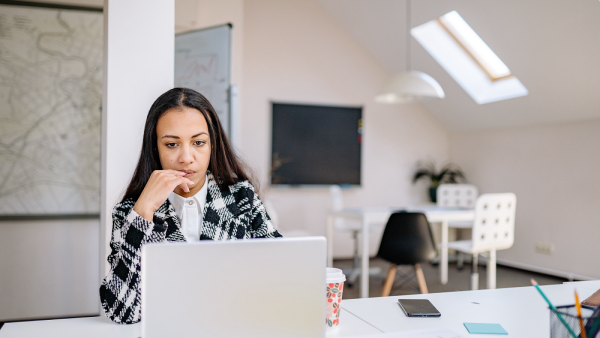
point(406, 240)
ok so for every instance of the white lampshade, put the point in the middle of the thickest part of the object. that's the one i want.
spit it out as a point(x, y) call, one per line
point(411, 86)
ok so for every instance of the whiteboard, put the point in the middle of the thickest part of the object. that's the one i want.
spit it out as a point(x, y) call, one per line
point(202, 63)
point(50, 111)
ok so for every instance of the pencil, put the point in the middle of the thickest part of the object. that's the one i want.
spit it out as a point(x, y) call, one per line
point(578, 306)
point(560, 317)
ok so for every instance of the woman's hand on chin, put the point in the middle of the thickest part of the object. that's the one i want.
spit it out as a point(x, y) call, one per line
point(160, 185)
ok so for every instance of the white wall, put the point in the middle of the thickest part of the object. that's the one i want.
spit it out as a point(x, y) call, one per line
point(139, 48)
point(294, 52)
point(553, 170)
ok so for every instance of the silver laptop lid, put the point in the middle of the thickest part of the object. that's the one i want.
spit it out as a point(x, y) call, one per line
point(253, 288)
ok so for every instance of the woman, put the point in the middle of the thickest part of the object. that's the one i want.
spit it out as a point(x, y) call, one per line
point(188, 186)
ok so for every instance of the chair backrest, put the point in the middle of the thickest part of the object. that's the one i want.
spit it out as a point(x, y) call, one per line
point(337, 200)
point(494, 225)
point(407, 239)
point(272, 213)
point(457, 195)
point(337, 204)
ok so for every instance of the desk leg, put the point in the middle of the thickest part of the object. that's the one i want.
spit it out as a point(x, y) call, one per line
point(329, 236)
point(364, 271)
point(444, 254)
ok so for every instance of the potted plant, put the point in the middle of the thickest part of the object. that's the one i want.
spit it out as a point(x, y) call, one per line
point(450, 173)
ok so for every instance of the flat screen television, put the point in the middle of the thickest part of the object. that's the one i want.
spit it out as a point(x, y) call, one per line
point(315, 145)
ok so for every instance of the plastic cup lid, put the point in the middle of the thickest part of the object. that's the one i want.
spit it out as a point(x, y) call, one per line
point(335, 275)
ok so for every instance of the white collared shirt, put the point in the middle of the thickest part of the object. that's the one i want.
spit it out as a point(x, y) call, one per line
point(189, 211)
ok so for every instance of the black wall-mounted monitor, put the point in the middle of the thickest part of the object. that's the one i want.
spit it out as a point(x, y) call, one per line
point(315, 145)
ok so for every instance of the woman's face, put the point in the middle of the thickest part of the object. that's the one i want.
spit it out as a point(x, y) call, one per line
point(184, 145)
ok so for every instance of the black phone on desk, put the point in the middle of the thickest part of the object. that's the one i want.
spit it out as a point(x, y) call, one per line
point(418, 308)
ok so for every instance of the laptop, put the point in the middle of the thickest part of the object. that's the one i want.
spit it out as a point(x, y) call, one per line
point(252, 288)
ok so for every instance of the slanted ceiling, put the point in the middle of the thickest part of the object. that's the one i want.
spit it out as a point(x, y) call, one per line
point(552, 46)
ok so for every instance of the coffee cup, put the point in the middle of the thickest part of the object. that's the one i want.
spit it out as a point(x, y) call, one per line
point(335, 286)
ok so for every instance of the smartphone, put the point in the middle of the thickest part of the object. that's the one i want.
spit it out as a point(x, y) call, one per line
point(418, 308)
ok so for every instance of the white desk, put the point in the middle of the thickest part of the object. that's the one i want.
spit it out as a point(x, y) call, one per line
point(88, 327)
point(350, 325)
point(521, 311)
point(102, 327)
point(588, 285)
point(381, 215)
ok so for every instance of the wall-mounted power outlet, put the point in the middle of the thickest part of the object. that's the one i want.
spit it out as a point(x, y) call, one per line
point(544, 248)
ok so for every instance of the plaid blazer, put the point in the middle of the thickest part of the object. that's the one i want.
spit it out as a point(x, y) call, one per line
point(230, 214)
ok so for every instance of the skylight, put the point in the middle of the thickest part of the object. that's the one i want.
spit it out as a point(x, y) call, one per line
point(472, 43)
point(468, 59)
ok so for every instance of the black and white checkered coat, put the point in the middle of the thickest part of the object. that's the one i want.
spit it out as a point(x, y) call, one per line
point(231, 214)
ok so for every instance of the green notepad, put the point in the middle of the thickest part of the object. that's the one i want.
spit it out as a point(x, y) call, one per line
point(483, 328)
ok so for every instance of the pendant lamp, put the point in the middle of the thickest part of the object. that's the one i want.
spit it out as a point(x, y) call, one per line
point(412, 85)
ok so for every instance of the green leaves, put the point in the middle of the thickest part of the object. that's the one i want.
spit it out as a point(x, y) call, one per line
point(450, 173)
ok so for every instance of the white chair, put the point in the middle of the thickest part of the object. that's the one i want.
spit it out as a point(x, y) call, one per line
point(493, 229)
point(337, 201)
point(458, 196)
point(275, 222)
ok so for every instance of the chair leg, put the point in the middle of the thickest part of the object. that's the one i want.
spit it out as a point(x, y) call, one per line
point(389, 281)
point(460, 260)
point(491, 270)
point(474, 273)
point(421, 278)
point(352, 277)
point(355, 262)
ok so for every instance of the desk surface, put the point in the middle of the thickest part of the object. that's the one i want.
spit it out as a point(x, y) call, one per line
point(521, 311)
point(102, 327)
point(89, 327)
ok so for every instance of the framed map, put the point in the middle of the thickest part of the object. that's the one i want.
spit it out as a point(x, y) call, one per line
point(50, 110)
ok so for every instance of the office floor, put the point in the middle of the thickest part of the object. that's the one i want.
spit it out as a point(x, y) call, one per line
point(457, 280)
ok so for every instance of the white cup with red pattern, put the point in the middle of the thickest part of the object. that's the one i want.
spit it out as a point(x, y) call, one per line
point(335, 286)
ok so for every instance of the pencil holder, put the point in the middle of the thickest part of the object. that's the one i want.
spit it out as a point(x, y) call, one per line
point(569, 314)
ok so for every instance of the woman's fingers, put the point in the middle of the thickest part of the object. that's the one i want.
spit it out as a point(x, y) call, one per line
point(185, 183)
point(175, 178)
point(173, 172)
point(158, 188)
point(184, 187)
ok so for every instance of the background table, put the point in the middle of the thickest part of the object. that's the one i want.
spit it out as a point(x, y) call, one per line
point(367, 216)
